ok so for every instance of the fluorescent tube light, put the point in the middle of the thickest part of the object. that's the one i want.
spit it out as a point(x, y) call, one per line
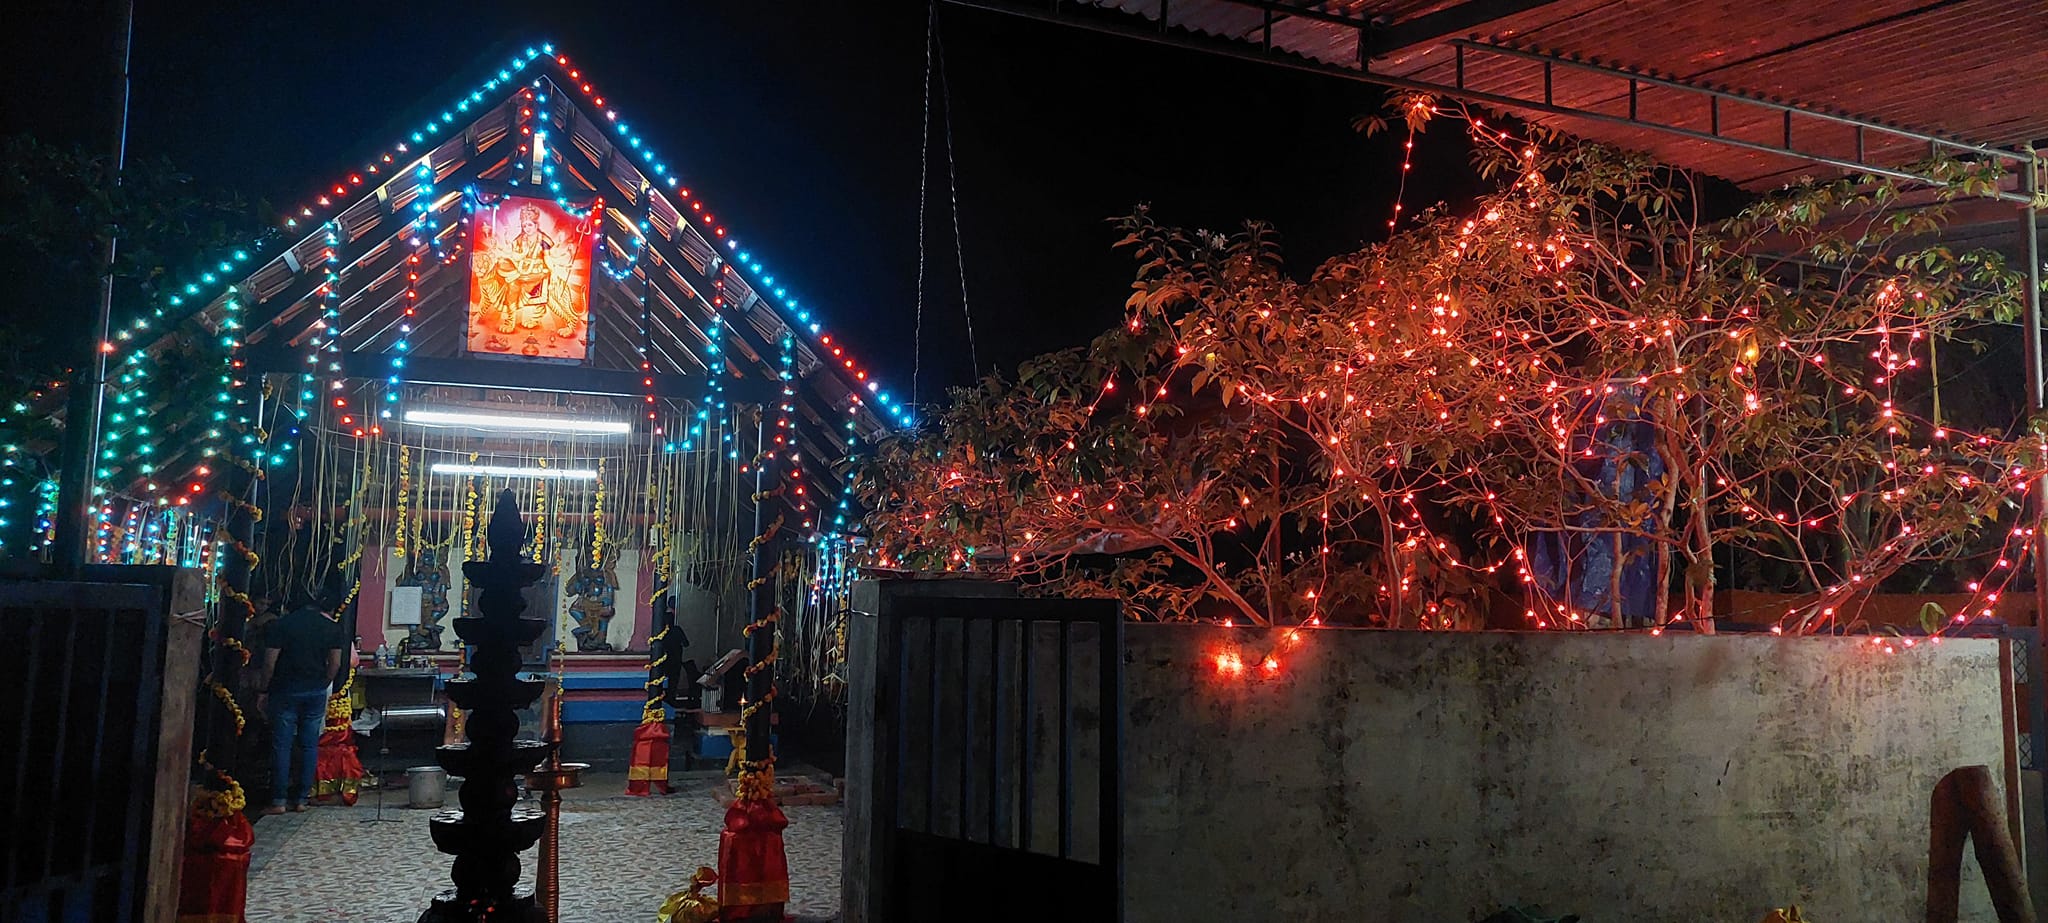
point(510, 422)
point(508, 471)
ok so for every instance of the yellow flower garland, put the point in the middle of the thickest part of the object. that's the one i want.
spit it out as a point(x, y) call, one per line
point(404, 490)
point(338, 704)
point(236, 645)
point(219, 803)
point(469, 518)
point(227, 699)
point(756, 781)
point(597, 521)
point(540, 517)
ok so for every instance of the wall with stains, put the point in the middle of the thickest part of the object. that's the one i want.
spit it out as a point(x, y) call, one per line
point(1411, 776)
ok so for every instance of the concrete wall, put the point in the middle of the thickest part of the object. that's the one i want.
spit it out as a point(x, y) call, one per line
point(1408, 776)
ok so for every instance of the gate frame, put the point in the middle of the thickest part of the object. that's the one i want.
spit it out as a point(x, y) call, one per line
point(878, 705)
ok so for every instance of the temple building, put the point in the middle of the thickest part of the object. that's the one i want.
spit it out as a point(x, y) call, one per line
point(517, 294)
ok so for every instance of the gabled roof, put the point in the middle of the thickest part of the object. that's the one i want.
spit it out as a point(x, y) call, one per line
point(369, 273)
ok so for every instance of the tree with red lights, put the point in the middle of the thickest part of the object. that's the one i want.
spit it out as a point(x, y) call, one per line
point(1581, 384)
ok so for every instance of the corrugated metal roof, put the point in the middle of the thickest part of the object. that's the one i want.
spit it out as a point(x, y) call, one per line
point(1976, 70)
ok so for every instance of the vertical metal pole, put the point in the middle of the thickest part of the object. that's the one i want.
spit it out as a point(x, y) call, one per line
point(760, 602)
point(81, 454)
point(2035, 382)
point(2037, 501)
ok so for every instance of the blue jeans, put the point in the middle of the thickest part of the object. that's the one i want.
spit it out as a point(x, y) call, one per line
point(295, 718)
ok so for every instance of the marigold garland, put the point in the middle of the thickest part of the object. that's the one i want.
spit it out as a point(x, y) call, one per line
point(766, 534)
point(756, 780)
point(229, 593)
point(747, 713)
point(597, 521)
point(540, 517)
point(255, 512)
point(359, 518)
point(233, 644)
point(227, 699)
point(469, 518)
point(219, 803)
point(404, 491)
point(774, 652)
point(338, 707)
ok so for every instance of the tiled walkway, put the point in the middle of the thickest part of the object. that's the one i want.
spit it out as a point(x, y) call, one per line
point(620, 857)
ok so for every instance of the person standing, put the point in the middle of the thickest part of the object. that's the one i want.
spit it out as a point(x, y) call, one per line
point(301, 656)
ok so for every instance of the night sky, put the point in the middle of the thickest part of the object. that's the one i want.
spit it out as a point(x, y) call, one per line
point(799, 123)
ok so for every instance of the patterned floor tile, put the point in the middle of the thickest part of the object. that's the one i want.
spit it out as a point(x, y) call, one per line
point(620, 857)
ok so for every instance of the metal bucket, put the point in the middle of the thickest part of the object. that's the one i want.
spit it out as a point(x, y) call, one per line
point(426, 786)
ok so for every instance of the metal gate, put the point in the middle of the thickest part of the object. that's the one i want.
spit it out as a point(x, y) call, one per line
point(95, 744)
point(1000, 788)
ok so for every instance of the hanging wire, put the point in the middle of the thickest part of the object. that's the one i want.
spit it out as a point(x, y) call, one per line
point(924, 172)
point(953, 193)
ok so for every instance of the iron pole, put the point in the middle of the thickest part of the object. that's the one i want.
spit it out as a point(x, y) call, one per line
point(88, 399)
point(2037, 503)
point(761, 601)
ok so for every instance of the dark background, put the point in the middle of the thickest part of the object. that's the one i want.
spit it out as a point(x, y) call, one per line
point(798, 122)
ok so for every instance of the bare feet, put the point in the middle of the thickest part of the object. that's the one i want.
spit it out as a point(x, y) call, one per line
point(273, 811)
point(298, 809)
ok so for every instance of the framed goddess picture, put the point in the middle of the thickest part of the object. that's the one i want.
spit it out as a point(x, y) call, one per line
point(529, 280)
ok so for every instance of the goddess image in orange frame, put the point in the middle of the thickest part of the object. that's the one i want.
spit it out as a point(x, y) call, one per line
point(529, 291)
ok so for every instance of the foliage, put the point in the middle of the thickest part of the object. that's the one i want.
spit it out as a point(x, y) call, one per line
point(59, 208)
point(1032, 476)
point(1390, 434)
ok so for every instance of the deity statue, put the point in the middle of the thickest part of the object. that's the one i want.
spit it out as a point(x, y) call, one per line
point(593, 591)
point(430, 574)
point(525, 286)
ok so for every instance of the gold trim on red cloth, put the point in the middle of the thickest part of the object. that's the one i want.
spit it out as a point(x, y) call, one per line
point(760, 892)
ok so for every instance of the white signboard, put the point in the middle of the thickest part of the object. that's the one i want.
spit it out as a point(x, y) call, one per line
point(406, 605)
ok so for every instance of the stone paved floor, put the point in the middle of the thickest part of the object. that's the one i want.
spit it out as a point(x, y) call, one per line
point(620, 857)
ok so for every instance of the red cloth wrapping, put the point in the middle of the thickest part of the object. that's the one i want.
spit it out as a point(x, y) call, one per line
point(753, 873)
point(648, 771)
point(215, 885)
point(338, 771)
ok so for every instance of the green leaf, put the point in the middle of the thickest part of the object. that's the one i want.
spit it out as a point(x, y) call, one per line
point(1932, 617)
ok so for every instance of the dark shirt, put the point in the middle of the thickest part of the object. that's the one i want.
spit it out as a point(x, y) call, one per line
point(302, 639)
